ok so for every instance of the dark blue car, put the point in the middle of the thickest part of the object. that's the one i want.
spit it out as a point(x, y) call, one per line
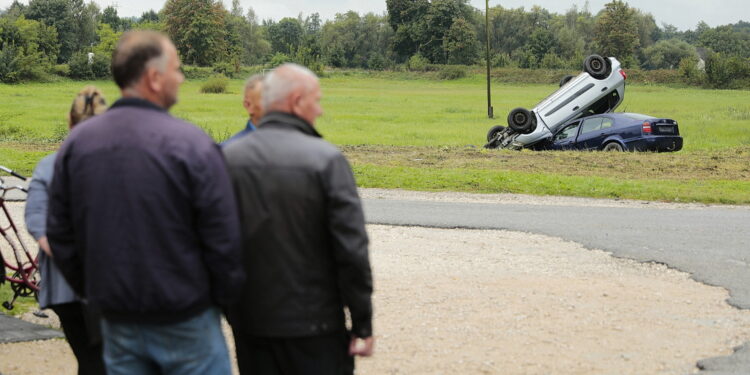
point(617, 132)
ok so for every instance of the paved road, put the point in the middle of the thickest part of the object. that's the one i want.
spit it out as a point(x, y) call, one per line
point(712, 243)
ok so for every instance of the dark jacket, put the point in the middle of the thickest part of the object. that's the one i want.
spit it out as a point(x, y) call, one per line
point(142, 218)
point(303, 233)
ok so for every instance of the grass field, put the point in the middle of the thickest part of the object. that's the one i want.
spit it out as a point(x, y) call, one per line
point(427, 135)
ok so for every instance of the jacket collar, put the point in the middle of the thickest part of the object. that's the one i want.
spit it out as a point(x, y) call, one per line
point(136, 102)
point(289, 121)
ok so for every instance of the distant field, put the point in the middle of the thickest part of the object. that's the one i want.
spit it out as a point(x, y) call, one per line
point(445, 122)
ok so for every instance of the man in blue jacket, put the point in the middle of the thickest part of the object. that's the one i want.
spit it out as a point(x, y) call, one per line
point(143, 222)
point(252, 103)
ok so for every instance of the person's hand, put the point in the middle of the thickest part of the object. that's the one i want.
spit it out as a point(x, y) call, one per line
point(362, 347)
point(44, 245)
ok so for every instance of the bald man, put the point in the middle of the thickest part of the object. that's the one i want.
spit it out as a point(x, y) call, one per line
point(143, 222)
point(305, 249)
point(251, 101)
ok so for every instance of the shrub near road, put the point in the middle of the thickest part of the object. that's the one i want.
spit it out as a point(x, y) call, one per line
point(427, 135)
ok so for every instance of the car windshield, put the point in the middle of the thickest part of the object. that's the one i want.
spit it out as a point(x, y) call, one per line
point(637, 116)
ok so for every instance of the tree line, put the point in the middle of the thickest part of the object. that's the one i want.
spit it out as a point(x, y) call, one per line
point(56, 36)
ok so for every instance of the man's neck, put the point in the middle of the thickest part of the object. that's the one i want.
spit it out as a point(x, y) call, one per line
point(131, 92)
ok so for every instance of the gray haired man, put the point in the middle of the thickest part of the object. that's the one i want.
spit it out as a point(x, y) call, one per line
point(253, 105)
point(303, 238)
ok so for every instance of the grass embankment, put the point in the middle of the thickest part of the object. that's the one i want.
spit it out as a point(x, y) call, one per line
point(427, 135)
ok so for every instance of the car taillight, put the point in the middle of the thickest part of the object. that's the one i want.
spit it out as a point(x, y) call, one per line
point(647, 127)
point(622, 73)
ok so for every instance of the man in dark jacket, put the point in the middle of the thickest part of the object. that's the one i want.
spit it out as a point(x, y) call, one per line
point(143, 222)
point(304, 240)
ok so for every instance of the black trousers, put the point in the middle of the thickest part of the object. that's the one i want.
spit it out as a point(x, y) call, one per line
point(317, 355)
point(82, 331)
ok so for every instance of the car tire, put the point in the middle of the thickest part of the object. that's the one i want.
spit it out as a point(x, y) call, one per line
point(494, 131)
point(613, 146)
point(522, 121)
point(597, 66)
point(565, 80)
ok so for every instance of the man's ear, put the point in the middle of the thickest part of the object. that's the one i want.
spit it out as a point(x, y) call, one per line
point(153, 80)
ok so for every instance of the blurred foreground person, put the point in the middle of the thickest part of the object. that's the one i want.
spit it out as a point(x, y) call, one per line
point(303, 240)
point(143, 222)
point(79, 323)
point(253, 105)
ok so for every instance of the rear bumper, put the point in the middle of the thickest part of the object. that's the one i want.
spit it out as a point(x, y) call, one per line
point(660, 143)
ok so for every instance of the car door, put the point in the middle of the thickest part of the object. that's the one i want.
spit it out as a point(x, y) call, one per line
point(591, 135)
point(565, 139)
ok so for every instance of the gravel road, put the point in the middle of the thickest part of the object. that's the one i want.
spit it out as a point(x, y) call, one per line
point(498, 302)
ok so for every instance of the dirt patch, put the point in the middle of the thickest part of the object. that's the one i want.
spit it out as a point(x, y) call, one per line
point(498, 302)
point(729, 164)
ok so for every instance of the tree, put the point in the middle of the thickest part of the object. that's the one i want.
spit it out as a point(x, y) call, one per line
point(285, 36)
point(150, 16)
point(108, 39)
point(28, 49)
point(726, 40)
point(110, 17)
point(198, 29)
point(58, 14)
point(667, 54)
point(541, 43)
point(617, 33)
point(461, 43)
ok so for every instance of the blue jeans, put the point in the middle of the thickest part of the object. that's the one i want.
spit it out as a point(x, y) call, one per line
point(195, 346)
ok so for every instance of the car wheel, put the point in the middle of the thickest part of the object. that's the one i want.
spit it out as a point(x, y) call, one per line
point(565, 80)
point(494, 131)
point(521, 121)
point(613, 146)
point(596, 66)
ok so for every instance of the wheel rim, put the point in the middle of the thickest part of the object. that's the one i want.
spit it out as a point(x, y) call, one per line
point(596, 65)
point(519, 118)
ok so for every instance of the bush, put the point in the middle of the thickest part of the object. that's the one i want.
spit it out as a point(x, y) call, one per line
point(690, 72)
point(15, 66)
point(80, 68)
point(418, 63)
point(501, 60)
point(719, 70)
point(62, 70)
point(215, 85)
point(278, 59)
point(225, 68)
point(452, 72)
point(197, 72)
point(376, 61)
point(552, 61)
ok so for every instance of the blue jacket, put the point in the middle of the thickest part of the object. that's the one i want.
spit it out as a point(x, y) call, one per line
point(249, 128)
point(53, 289)
point(142, 216)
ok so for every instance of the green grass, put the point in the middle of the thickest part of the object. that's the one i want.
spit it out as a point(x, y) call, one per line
point(381, 121)
point(22, 304)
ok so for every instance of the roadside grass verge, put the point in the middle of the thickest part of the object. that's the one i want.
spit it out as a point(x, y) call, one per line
point(705, 177)
point(385, 124)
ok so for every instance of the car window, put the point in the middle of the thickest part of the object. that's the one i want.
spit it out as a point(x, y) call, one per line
point(569, 131)
point(591, 125)
point(607, 123)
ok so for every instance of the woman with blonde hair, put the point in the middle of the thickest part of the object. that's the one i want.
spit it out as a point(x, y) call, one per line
point(81, 327)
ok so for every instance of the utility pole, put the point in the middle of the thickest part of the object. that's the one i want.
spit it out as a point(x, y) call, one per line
point(490, 113)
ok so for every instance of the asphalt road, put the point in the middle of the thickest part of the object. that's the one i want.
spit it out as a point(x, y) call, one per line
point(711, 243)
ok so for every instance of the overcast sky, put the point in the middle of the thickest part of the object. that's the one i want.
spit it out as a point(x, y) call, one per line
point(684, 14)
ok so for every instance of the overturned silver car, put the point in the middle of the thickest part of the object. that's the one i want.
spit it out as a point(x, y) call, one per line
point(600, 88)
